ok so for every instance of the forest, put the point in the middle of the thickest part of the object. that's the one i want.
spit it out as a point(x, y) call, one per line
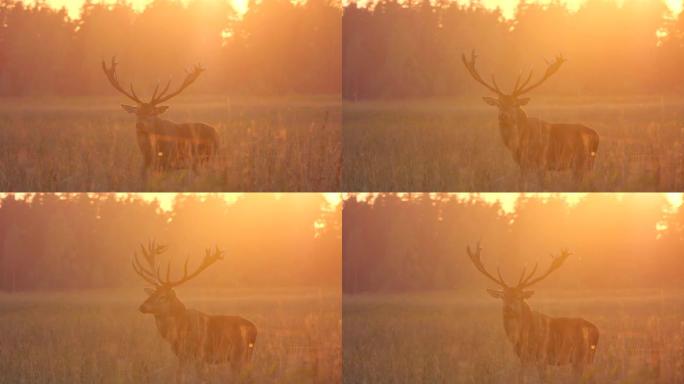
point(394, 243)
point(412, 49)
point(85, 241)
point(276, 48)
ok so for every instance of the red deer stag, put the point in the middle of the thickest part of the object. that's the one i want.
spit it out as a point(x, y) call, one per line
point(196, 338)
point(536, 145)
point(537, 338)
point(165, 144)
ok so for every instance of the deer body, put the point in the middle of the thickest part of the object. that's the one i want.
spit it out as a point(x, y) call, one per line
point(543, 340)
point(540, 340)
point(538, 146)
point(169, 145)
point(165, 144)
point(197, 339)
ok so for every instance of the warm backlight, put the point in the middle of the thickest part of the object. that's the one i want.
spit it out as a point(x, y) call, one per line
point(73, 7)
point(508, 6)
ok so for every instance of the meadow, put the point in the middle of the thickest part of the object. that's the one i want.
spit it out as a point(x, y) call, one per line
point(89, 144)
point(455, 145)
point(459, 338)
point(100, 337)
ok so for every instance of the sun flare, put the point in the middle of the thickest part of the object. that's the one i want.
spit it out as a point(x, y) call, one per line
point(73, 7)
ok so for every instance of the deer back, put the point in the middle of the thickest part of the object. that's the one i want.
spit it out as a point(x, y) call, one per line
point(554, 147)
point(552, 341)
point(195, 336)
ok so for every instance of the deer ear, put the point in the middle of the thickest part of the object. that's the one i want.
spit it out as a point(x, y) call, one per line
point(523, 101)
point(495, 294)
point(149, 291)
point(161, 109)
point(491, 101)
point(129, 108)
point(527, 294)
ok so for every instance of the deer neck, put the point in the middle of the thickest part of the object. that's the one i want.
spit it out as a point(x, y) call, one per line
point(147, 124)
point(511, 130)
point(170, 323)
point(515, 324)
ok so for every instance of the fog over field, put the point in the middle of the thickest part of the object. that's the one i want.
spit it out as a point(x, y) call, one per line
point(86, 296)
point(455, 287)
point(276, 144)
point(456, 145)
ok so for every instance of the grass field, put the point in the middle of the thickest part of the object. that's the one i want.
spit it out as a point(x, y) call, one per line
point(89, 144)
point(450, 338)
point(455, 145)
point(100, 337)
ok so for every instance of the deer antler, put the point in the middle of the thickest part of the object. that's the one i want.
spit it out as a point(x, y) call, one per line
point(190, 78)
point(114, 80)
point(152, 274)
point(150, 255)
point(475, 258)
point(555, 264)
point(470, 66)
point(551, 69)
point(157, 97)
point(209, 259)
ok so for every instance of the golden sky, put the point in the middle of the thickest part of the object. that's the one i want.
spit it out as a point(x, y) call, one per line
point(74, 6)
point(166, 199)
point(507, 6)
point(508, 200)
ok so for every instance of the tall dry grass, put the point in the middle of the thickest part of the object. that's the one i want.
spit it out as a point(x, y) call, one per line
point(456, 145)
point(100, 337)
point(81, 144)
point(452, 338)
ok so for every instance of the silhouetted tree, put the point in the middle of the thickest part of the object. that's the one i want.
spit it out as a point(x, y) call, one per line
point(81, 241)
point(418, 243)
point(395, 49)
point(276, 48)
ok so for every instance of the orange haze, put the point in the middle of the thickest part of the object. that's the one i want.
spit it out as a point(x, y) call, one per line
point(508, 6)
point(73, 7)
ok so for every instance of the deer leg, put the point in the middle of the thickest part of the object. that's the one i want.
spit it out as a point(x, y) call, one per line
point(201, 370)
point(541, 178)
point(148, 160)
point(578, 168)
point(195, 158)
point(578, 176)
point(541, 370)
point(588, 375)
point(521, 374)
point(522, 180)
point(143, 174)
point(180, 373)
point(236, 365)
point(578, 372)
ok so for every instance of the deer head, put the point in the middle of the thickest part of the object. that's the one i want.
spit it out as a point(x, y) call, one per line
point(150, 108)
point(510, 104)
point(162, 298)
point(514, 296)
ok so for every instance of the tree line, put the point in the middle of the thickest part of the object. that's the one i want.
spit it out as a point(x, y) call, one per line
point(87, 241)
point(397, 49)
point(277, 47)
point(395, 244)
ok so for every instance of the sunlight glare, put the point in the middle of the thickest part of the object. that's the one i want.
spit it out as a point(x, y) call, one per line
point(73, 7)
point(508, 6)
